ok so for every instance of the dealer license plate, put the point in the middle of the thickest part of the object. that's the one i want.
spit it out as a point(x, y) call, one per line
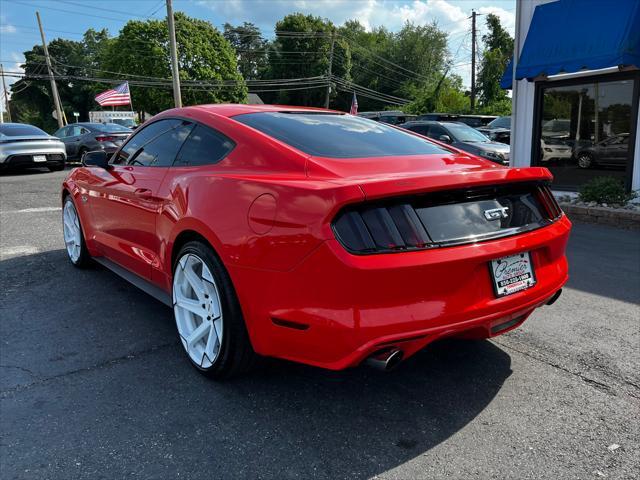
point(39, 158)
point(512, 274)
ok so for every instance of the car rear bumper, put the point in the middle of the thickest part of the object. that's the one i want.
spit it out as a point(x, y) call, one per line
point(335, 309)
point(27, 160)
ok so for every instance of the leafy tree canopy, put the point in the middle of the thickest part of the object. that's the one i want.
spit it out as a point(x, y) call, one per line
point(498, 48)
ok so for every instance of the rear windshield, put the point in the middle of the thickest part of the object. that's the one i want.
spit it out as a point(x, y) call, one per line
point(338, 136)
point(19, 130)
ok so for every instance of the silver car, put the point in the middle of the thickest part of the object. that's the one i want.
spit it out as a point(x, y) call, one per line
point(24, 145)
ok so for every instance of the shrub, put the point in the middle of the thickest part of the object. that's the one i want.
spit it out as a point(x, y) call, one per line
point(607, 190)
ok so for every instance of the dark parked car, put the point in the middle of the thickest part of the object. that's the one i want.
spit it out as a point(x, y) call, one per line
point(463, 137)
point(498, 130)
point(474, 121)
point(23, 145)
point(612, 151)
point(79, 138)
point(392, 117)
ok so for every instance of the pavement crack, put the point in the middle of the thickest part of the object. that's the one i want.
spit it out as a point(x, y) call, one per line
point(589, 381)
point(98, 366)
point(22, 369)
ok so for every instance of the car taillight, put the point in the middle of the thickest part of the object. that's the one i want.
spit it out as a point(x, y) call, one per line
point(549, 202)
point(378, 229)
point(445, 218)
point(105, 138)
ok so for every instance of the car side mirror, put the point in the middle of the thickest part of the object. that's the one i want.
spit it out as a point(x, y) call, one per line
point(97, 158)
point(445, 138)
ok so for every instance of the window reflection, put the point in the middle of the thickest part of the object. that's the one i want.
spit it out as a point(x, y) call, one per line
point(584, 131)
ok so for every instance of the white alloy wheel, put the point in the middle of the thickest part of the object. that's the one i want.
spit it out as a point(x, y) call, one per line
point(72, 233)
point(197, 310)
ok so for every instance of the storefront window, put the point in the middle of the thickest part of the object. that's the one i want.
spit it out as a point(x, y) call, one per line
point(584, 131)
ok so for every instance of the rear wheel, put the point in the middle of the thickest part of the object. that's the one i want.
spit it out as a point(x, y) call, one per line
point(585, 160)
point(73, 237)
point(207, 314)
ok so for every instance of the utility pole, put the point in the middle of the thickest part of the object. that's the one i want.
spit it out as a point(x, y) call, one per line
point(177, 97)
point(473, 60)
point(6, 94)
point(54, 88)
point(329, 70)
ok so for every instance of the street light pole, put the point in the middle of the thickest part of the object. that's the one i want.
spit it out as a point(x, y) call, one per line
point(177, 97)
point(473, 61)
point(54, 88)
point(6, 96)
point(329, 71)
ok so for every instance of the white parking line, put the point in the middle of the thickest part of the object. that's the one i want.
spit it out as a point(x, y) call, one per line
point(17, 251)
point(35, 210)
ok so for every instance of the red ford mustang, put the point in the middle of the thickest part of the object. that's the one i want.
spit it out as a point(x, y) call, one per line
point(315, 236)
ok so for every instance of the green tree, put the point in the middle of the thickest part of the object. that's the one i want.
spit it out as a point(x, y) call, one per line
point(406, 64)
point(31, 98)
point(498, 48)
point(204, 55)
point(305, 53)
point(250, 46)
point(449, 96)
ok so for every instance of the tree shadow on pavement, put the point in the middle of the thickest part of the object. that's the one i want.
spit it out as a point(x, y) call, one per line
point(124, 406)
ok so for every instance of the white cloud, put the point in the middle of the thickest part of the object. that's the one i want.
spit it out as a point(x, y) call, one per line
point(6, 27)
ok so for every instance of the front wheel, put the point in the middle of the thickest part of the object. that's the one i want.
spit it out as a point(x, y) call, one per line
point(73, 237)
point(207, 314)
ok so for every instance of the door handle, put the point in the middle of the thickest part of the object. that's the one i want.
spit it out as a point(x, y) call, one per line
point(142, 193)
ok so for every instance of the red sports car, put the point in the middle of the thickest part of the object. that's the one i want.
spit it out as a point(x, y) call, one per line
point(315, 236)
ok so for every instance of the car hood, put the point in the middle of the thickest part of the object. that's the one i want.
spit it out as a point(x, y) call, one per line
point(484, 147)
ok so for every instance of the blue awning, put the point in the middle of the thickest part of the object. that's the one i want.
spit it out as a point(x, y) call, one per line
point(571, 35)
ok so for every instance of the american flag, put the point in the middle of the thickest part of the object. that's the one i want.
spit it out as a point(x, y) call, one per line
point(117, 96)
point(354, 105)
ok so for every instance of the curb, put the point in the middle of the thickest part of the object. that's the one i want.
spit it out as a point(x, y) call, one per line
point(614, 217)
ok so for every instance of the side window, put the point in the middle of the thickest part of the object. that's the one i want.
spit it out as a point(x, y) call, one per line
point(63, 132)
point(162, 150)
point(421, 129)
point(142, 136)
point(435, 131)
point(73, 131)
point(203, 147)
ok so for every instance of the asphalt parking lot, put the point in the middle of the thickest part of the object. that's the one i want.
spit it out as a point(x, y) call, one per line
point(94, 383)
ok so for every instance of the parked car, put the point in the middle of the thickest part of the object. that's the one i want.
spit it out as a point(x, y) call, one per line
point(498, 130)
point(23, 145)
point(315, 236)
point(463, 137)
point(392, 117)
point(612, 151)
point(559, 128)
point(554, 149)
point(474, 121)
point(83, 137)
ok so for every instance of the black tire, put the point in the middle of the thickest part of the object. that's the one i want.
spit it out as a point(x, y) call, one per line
point(81, 153)
point(56, 168)
point(236, 355)
point(585, 160)
point(84, 259)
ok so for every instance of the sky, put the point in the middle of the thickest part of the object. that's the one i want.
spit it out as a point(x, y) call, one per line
point(70, 18)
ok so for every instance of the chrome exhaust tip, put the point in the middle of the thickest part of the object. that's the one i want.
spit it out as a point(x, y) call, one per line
point(555, 297)
point(385, 360)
